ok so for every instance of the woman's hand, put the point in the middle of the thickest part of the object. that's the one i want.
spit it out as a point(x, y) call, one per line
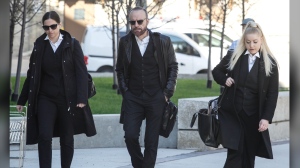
point(263, 125)
point(19, 108)
point(81, 105)
point(229, 82)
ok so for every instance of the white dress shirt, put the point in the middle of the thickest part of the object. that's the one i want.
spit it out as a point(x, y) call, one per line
point(56, 44)
point(251, 59)
point(142, 44)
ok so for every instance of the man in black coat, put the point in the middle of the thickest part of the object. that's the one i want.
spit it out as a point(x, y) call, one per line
point(147, 72)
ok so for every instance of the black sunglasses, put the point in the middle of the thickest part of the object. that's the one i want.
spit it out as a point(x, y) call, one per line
point(138, 21)
point(53, 27)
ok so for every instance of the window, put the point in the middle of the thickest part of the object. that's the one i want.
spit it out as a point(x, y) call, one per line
point(122, 33)
point(79, 14)
point(203, 40)
point(181, 46)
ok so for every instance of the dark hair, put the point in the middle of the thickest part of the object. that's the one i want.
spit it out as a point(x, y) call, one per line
point(139, 8)
point(51, 15)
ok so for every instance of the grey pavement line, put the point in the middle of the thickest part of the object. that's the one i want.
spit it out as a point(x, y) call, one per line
point(197, 153)
point(188, 155)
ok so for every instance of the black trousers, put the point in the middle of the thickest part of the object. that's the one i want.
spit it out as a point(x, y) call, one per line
point(244, 157)
point(51, 111)
point(138, 108)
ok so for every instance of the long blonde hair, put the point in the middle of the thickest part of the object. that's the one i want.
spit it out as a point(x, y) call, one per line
point(265, 51)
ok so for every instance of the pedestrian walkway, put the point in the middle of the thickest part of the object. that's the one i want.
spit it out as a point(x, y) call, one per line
point(167, 158)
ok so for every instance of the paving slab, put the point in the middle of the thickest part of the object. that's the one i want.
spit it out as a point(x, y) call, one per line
point(167, 158)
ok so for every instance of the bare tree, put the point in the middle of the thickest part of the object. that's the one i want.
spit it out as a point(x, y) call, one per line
point(218, 10)
point(19, 10)
point(209, 75)
point(245, 5)
point(224, 7)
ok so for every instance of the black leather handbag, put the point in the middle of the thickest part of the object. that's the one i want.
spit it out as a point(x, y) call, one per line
point(169, 119)
point(91, 86)
point(208, 122)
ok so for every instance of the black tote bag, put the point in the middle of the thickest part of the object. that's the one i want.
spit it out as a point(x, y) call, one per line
point(208, 122)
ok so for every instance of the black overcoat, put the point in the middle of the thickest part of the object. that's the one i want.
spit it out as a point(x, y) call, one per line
point(75, 84)
point(168, 70)
point(268, 94)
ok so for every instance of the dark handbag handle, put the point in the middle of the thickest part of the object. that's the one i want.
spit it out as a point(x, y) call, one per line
point(201, 110)
point(222, 96)
point(193, 119)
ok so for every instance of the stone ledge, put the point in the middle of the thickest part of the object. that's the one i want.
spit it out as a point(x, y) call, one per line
point(187, 107)
point(190, 139)
point(110, 134)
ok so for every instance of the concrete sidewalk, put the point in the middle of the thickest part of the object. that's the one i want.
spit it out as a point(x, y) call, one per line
point(167, 158)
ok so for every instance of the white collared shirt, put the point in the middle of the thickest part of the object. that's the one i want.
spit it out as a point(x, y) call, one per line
point(251, 59)
point(142, 44)
point(55, 45)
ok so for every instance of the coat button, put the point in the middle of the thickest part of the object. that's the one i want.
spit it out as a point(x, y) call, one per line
point(31, 76)
point(30, 90)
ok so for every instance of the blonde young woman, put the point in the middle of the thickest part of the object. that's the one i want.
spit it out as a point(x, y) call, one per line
point(251, 75)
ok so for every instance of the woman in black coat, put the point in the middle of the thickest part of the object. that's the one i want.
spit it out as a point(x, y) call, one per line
point(56, 90)
point(247, 109)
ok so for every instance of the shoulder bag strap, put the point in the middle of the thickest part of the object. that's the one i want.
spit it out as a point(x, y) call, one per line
point(222, 96)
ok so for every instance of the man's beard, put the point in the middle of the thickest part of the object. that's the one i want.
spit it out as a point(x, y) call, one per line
point(139, 33)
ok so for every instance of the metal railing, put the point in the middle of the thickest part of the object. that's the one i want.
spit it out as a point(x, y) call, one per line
point(17, 133)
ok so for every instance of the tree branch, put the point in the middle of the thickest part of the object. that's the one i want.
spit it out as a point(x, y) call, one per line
point(171, 20)
point(36, 11)
point(27, 27)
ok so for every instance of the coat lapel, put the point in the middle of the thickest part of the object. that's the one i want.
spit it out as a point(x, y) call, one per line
point(154, 43)
point(262, 72)
point(128, 46)
point(261, 79)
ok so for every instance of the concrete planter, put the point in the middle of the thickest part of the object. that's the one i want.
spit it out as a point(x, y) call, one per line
point(110, 132)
